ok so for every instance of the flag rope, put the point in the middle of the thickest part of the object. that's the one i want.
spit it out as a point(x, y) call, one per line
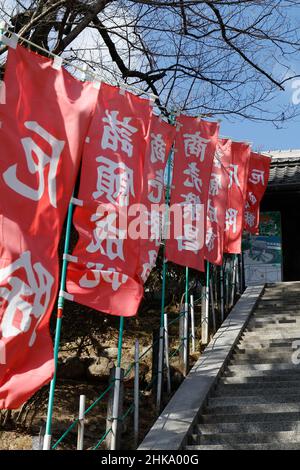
point(3, 29)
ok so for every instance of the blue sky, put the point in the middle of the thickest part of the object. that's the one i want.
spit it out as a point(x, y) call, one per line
point(264, 135)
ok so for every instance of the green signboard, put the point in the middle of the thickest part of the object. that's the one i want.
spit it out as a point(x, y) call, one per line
point(263, 253)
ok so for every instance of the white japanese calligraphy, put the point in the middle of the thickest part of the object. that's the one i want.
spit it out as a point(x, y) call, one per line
point(110, 276)
point(37, 161)
point(117, 132)
point(212, 212)
point(191, 240)
point(218, 158)
point(231, 219)
point(35, 288)
point(158, 148)
point(257, 176)
point(233, 176)
point(192, 206)
point(147, 267)
point(252, 198)
point(115, 181)
point(215, 184)
point(195, 145)
point(158, 185)
point(193, 181)
point(210, 239)
point(107, 233)
point(249, 219)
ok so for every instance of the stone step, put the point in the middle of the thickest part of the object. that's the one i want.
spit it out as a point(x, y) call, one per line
point(270, 399)
point(260, 322)
point(263, 358)
point(272, 344)
point(246, 438)
point(243, 351)
point(216, 418)
point(261, 380)
point(269, 369)
point(266, 349)
point(269, 315)
point(240, 391)
point(281, 296)
point(276, 408)
point(251, 427)
point(259, 335)
point(275, 446)
point(226, 384)
point(289, 328)
point(276, 312)
point(292, 303)
point(271, 307)
point(278, 353)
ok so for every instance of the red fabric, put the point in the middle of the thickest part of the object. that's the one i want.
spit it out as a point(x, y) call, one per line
point(107, 274)
point(217, 203)
point(195, 144)
point(238, 175)
point(259, 173)
point(153, 196)
point(44, 120)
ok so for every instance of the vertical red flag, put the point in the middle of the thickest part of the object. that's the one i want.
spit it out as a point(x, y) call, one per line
point(238, 175)
point(195, 144)
point(217, 203)
point(258, 178)
point(103, 273)
point(43, 124)
point(152, 208)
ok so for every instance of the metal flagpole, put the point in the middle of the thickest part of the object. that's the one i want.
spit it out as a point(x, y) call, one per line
point(186, 324)
point(117, 389)
point(222, 292)
point(205, 318)
point(60, 308)
point(233, 286)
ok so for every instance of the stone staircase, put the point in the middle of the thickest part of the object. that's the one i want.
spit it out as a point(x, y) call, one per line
point(256, 402)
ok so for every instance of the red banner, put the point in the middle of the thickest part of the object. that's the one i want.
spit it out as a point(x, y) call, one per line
point(195, 144)
point(103, 274)
point(162, 137)
point(217, 203)
point(43, 123)
point(238, 175)
point(259, 173)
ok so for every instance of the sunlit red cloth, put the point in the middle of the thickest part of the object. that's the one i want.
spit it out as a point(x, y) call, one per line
point(238, 175)
point(123, 165)
point(258, 178)
point(217, 203)
point(195, 147)
point(43, 125)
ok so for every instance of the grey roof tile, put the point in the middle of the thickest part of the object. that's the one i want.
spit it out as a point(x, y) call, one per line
point(285, 171)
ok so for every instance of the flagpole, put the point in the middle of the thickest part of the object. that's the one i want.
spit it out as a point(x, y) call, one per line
point(118, 377)
point(120, 341)
point(186, 288)
point(60, 308)
point(205, 320)
point(186, 335)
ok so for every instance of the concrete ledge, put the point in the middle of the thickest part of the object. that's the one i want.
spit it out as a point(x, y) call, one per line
point(171, 428)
